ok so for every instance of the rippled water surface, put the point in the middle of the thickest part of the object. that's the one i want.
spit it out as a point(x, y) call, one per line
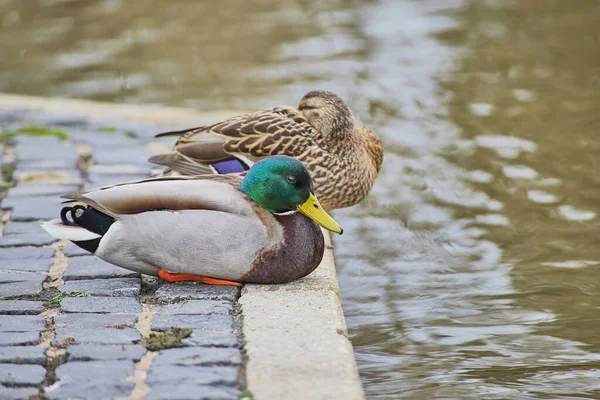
point(472, 271)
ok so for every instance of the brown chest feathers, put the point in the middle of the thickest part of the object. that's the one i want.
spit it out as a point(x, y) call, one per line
point(298, 254)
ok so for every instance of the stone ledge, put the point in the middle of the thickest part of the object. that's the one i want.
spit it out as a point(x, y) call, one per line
point(296, 336)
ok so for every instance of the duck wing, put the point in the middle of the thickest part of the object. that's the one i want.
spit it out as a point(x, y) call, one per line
point(280, 130)
point(177, 193)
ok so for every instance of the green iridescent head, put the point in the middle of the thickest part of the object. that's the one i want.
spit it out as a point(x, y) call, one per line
point(282, 184)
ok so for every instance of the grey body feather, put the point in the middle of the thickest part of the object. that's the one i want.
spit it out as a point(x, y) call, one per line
point(202, 242)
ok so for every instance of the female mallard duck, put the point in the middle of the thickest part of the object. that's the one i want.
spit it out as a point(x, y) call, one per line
point(216, 229)
point(343, 158)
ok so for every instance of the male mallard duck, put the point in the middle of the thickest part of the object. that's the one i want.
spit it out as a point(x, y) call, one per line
point(343, 158)
point(216, 229)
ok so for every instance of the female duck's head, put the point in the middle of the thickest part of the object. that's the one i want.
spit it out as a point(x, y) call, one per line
point(327, 113)
point(282, 185)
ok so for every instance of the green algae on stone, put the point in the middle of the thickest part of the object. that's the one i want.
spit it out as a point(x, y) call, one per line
point(246, 394)
point(37, 131)
point(108, 129)
point(168, 339)
point(58, 298)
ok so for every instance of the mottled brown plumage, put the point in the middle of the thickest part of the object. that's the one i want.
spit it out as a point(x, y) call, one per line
point(342, 157)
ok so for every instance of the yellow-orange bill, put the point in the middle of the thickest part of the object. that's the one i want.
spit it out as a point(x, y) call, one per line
point(313, 210)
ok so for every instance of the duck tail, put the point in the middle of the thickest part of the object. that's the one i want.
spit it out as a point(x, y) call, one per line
point(84, 226)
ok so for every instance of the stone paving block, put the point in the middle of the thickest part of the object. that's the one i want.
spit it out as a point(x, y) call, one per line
point(140, 129)
point(176, 292)
point(19, 338)
point(72, 250)
point(27, 239)
point(197, 307)
point(26, 253)
point(31, 265)
point(93, 380)
point(91, 267)
point(124, 287)
point(21, 307)
point(22, 355)
point(57, 176)
point(100, 139)
point(215, 339)
point(97, 336)
point(33, 202)
point(93, 352)
point(31, 375)
point(26, 259)
point(221, 323)
point(30, 148)
point(50, 165)
point(100, 305)
point(22, 323)
point(122, 155)
point(176, 375)
point(20, 284)
point(90, 321)
point(191, 392)
point(11, 393)
point(66, 122)
point(198, 356)
point(12, 227)
point(32, 227)
point(41, 189)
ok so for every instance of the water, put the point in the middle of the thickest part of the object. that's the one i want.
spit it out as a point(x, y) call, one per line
point(472, 269)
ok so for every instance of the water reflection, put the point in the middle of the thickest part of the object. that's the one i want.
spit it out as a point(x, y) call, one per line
point(471, 270)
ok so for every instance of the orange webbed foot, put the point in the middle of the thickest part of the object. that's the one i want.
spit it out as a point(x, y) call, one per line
point(169, 277)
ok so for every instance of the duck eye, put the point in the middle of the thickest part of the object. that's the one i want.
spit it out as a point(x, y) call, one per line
point(291, 179)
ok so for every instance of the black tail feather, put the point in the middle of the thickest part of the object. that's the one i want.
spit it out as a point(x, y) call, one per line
point(86, 217)
point(90, 219)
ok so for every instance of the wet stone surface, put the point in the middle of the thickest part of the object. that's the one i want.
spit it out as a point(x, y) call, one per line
point(94, 352)
point(22, 355)
point(197, 307)
point(100, 305)
point(93, 380)
point(26, 259)
point(16, 393)
point(198, 356)
point(176, 374)
point(72, 250)
point(21, 323)
point(91, 267)
point(30, 375)
point(96, 306)
point(221, 323)
point(173, 293)
point(123, 336)
point(21, 307)
point(27, 239)
point(124, 287)
point(20, 284)
point(192, 392)
point(19, 338)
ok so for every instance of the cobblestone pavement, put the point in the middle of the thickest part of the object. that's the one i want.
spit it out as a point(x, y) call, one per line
point(71, 324)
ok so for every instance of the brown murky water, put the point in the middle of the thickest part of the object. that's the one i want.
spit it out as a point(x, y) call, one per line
point(472, 270)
